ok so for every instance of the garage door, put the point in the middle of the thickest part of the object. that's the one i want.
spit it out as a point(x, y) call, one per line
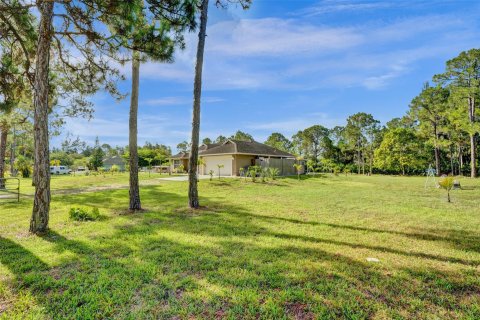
point(211, 163)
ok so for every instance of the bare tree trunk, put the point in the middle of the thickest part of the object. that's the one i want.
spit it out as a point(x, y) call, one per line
point(13, 172)
point(134, 190)
point(460, 154)
point(193, 200)
point(437, 160)
point(41, 171)
point(358, 161)
point(371, 163)
point(3, 151)
point(473, 166)
point(451, 161)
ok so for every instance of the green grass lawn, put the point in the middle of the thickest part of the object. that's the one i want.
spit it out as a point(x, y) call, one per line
point(286, 249)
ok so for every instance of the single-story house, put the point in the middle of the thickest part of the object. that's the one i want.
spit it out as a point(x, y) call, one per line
point(115, 160)
point(236, 154)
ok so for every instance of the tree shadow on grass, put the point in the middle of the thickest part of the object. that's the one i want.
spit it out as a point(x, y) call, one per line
point(460, 239)
point(224, 262)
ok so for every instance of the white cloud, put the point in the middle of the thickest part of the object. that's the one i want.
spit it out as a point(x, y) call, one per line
point(330, 6)
point(171, 101)
point(292, 126)
point(290, 54)
point(275, 37)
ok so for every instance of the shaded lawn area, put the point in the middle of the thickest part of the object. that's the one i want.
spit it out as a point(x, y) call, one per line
point(286, 249)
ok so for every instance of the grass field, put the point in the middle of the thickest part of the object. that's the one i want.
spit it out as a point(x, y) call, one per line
point(286, 249)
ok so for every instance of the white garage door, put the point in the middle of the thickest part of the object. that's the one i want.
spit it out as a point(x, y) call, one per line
point(211, 163)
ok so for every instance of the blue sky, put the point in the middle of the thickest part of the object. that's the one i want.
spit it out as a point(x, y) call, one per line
point(285, 65)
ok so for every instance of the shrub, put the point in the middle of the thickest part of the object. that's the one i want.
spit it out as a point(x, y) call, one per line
point(273, 173)
point(446, 183)
point(114, 169)
point(241, 171)
point(252, 171)
point(264, 173)
point(24, 166)
point(211, 173)
point(80, 214)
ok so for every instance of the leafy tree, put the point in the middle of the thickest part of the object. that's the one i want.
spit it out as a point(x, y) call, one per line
point(400, 151)
point(429, 110)
point(312, 142)
point(206, 141)
point(462, 76)
point(220, 139)
point(183, 146)
point(242, 136)
point(193, 200)
point(360, 135)
point(62, 157)
point(96, 159)
point(279, 141)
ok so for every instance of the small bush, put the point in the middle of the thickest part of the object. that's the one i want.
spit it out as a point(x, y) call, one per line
point(79, 214)
point(273, 172)
point(446, 183)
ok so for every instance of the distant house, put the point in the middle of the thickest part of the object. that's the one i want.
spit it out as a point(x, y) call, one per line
point(236, 154)
point(115, 160)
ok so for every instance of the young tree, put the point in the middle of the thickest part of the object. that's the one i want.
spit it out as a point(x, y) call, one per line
point(96, 159)
point(463, 79)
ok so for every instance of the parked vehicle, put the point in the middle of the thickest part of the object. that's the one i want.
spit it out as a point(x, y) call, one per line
point(60, 170)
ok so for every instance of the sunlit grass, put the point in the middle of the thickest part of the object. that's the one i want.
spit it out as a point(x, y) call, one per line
point(283, 249)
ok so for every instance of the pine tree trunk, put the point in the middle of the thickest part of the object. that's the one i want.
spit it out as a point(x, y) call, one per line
point(193, 200)
point(41, 170)
point(460, 160)
point(3, 152)
point(13, 172)
point(473, 159)
point(134, 191)
point(473, 166)
point(358, 161)
point(437, 161)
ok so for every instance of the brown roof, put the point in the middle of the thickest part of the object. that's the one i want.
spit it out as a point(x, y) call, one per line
point(246, 147)
point(181, 155)
point(202, 148)
point(237, 147)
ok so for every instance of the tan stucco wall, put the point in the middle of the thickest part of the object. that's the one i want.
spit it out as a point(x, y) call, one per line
point(241, 161)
